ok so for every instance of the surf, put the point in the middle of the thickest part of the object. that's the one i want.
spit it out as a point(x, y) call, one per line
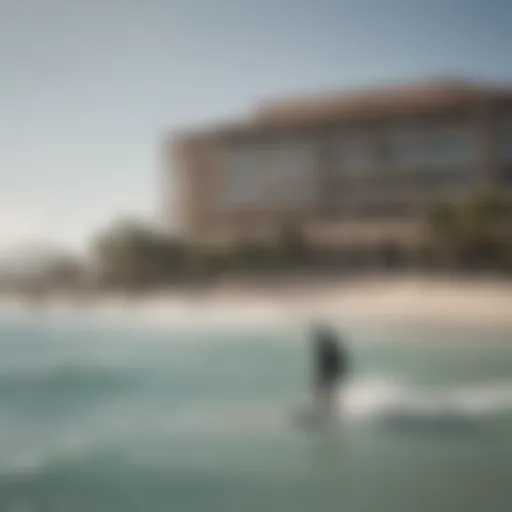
point(390, 403)
point(366, 399)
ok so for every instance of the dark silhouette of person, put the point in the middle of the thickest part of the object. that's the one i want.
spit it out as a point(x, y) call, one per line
point(330, 367)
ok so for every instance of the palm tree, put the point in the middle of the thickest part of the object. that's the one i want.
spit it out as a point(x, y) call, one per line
point(472, 232)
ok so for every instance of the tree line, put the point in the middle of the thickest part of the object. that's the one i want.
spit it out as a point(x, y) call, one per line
point(129, 255)
point(468, 234)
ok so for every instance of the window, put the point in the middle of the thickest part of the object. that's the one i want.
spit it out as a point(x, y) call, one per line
point(432, 146)
point(274, 174)
point(407, 145)
point(242, 165)
point(451, 146)
point(505, 140)
point(356, 154)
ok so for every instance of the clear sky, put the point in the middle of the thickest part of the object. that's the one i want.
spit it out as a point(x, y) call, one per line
point(88, 88)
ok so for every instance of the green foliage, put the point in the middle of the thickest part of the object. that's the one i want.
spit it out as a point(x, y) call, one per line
point(252, 254)
point(292, 245)
point(473, 233)
point(130, 255)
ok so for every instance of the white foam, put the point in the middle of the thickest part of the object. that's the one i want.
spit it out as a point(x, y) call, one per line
point(365, 400)
point(374, 397)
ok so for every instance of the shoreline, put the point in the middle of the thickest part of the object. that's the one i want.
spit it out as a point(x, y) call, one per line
point(406, 299)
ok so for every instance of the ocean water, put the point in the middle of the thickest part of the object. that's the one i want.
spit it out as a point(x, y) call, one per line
point(119, 415)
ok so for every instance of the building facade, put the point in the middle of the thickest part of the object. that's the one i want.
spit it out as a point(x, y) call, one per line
point(349, 167)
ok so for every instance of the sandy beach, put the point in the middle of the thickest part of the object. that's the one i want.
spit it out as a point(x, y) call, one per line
point(404, 299)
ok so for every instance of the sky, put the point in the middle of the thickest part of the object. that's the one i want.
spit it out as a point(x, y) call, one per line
point(89, 89)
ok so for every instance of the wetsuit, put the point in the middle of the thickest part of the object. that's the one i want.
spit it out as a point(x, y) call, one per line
point(330, 365)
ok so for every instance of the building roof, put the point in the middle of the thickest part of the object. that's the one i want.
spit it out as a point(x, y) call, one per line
point(368, 103)
point(418, 96)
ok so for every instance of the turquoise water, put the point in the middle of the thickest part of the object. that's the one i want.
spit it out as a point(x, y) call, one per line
point(100, 416)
